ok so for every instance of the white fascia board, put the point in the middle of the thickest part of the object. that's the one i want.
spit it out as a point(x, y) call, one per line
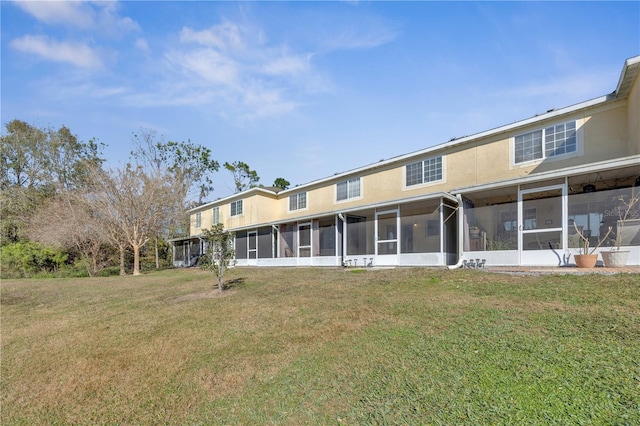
point(229, 198)
point(455, 142)
point(624, 74)
point(459, 141)
point(400, 201)
point(566, 172)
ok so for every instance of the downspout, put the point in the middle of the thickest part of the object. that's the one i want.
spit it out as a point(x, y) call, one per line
point(460, 234)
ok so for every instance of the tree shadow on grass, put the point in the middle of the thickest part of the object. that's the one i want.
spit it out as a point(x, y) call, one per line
point(229, 284)
point(211, 293)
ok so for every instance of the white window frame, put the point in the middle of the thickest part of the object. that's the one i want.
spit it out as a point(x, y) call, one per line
point(236, 211)
point(250, 235)
point(305, 247)
point(215, 215)
point(198, 220)
point(298, 203)
point(544, 138)
point(423, 171)
point(350, 184)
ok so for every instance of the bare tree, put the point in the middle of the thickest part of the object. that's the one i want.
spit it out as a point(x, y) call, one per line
point(189, 165)
point(68, 222)
point(133, 205)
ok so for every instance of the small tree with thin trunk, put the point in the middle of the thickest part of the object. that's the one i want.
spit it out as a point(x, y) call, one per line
point(220, 255)
point(243, 177)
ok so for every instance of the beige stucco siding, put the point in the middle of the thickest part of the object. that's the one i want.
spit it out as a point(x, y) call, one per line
point(606, 134)
point(633, 119)
point(606, 131)
point(257, 208)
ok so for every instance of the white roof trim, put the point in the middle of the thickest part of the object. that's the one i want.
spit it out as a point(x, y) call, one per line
point(237, 196)
point(625, 77)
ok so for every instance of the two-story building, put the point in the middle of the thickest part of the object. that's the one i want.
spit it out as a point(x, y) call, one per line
point(510, 195)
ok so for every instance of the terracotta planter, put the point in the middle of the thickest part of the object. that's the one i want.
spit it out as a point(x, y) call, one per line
point(615, 258)
point(586, 260)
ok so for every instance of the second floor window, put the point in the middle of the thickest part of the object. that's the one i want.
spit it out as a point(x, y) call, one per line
point(216, 215)
point(348, 189)
point(298, 201)
point(198, 219)
point(548, 142)
point(425, 171)
point(236, 208)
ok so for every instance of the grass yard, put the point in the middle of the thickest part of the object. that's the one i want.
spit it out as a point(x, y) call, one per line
point(322, 346)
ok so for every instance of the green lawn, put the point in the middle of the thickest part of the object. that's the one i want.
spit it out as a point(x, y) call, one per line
point(322, 346)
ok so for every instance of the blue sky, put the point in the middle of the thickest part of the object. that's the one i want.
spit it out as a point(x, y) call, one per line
point(303, 90)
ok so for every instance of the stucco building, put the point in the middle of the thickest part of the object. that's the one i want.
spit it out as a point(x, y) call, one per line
point(509, 195)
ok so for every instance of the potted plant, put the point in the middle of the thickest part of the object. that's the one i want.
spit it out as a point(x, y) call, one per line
point(587, 258)
point(616, 258)
point(474, 231)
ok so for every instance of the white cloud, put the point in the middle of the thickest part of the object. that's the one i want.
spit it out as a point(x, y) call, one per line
point(110, 22)
point(370, 32)
point(264, 102)
point(142, 45)
point(288, 65)
point(100, 16)
point(231, 65)
point(224, 36)
point(207, 65)
point(76, 13)
point(75, 53)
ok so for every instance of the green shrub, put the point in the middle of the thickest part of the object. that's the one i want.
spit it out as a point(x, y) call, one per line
point(26, 259)
point(109, 271)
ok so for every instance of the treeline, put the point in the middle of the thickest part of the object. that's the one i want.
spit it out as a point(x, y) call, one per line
point(65, 213)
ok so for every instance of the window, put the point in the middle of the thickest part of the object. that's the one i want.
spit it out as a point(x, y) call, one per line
point(348, 189)
point(558, 140)
point(216, 215)
point(298, 201)
point(198, 219)
point(429, 170)
point(236, 208)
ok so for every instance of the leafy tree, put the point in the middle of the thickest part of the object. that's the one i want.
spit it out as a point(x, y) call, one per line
point(243, 177)
point(220, 252)
point(191, 165)
point(35, 158)
point(35, 165)
point(281, 183)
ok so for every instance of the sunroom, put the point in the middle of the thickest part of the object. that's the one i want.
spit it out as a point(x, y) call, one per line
point(416, 232)
point(538, 221)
